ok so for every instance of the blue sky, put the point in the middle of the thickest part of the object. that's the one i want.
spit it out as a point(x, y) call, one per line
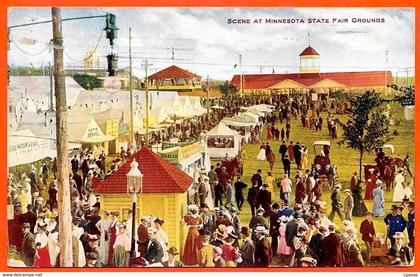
point(205, 44)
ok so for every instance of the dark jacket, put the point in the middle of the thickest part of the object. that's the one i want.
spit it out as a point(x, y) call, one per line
point(367, 228)
point(247, 253)
point(28, 249)
point(154, 252)
point(263, 253)
point(332, 250)
point(253, 196)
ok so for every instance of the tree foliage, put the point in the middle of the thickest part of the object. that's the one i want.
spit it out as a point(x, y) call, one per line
point(227, 89)
point(87, 81)
point(367, 126)
point(407, 98)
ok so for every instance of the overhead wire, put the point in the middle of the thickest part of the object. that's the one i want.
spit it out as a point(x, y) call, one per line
point(27, 53)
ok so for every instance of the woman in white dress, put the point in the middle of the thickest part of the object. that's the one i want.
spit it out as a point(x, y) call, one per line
point(261, 155)
point(399, 189)
point(103, 225)
point(78, 251)
point(208, 200)
point(162, 237)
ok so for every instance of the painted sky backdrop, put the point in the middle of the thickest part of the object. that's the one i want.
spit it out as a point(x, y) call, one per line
point(206, 44)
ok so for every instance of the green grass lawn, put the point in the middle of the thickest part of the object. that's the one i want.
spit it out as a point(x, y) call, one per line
point(346, 159)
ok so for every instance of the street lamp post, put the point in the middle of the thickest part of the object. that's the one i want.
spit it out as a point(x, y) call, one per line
point(134, 187)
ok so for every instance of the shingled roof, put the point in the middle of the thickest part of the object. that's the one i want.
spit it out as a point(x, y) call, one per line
point(159, 176)
point(309, 51)
point(172, 72)
point(349, 79)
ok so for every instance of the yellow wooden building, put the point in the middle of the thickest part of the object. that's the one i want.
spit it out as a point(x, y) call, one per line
point(164, 193)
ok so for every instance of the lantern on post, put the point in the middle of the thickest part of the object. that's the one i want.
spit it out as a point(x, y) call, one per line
point(134, 188)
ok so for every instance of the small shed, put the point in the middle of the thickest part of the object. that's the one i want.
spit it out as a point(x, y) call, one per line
point(164, 193)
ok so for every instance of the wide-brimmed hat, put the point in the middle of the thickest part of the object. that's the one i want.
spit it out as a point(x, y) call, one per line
point(173, 251)
point(260, 229)
point(92, 237)
point(398, 235)
point(218, 250)
point(193, 207)
point(394, 207)
point(260, 210)
point(338, 185)
point(232, 235)
point(42, 223)
point(308, 260)
point(283, 218)
point(159, 221)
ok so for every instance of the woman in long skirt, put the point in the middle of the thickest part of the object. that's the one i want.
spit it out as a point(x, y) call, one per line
point(283, 249)
point(378, 201)
point(193, 242)
point(41, 240)
point(261, 154)
point(370, 184)
point(359, 208)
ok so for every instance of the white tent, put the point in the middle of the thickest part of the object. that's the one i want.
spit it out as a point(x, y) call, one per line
point(24, 147)
point(87, 132)
point(217, 148)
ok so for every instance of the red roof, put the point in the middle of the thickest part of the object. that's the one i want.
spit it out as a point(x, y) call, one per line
point(172, 72)
point(348, 79)
point(159, 176)
point(309, 51)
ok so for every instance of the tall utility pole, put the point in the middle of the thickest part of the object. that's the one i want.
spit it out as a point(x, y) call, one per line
point(147, 104)
point(51, 107)
point(131, 92)
point(386, 72)
point(64, 212)
point(208, 94)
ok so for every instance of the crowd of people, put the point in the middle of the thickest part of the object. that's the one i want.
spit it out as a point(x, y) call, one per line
point(298, 231)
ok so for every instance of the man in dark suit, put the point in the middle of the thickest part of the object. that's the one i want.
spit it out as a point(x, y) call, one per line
point(315, 244)
point(143, 236)
point(154, 251)
point(239, 196)
point(332, 249)
point(264, 200)
point(256, 178)
point(336, 204)
point(410, 224)
point(253, 197)
point(291, 228)
point(297, 154)
point(30, 217)
point(283, 150)
point(247, 248)
point(404, 251)
point(28, 245)
point(263, 252)
point(74, 164)
point(274, 226)
point(217, 257)
point(395, 222)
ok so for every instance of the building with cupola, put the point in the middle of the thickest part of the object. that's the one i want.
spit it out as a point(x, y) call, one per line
point(310, 78)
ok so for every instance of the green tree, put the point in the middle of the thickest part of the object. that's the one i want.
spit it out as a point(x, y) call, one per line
point(367, 126)
point(227, 89)
point(87, 81)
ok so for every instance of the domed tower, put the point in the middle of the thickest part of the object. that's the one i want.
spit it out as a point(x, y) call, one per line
point(309, 61)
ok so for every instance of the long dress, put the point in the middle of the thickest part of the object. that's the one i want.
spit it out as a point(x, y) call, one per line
point(359, 208)
point(43, 259)
point(399, 190)
point(103, 225)
point(378, 202)
point(121, 254)
point(282, 248)
point(53, 248)
point(261, 154)
point(208, 200)
point(193, 242)
point(269, 180)
point(269, 133)
point(370, 186)
point(304, 159)
point(162, 237)
point(79, 257)
point(112, 233)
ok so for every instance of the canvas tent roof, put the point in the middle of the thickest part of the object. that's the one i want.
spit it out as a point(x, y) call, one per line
point(24, 147)
point(87, 132)
point(222, 130)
